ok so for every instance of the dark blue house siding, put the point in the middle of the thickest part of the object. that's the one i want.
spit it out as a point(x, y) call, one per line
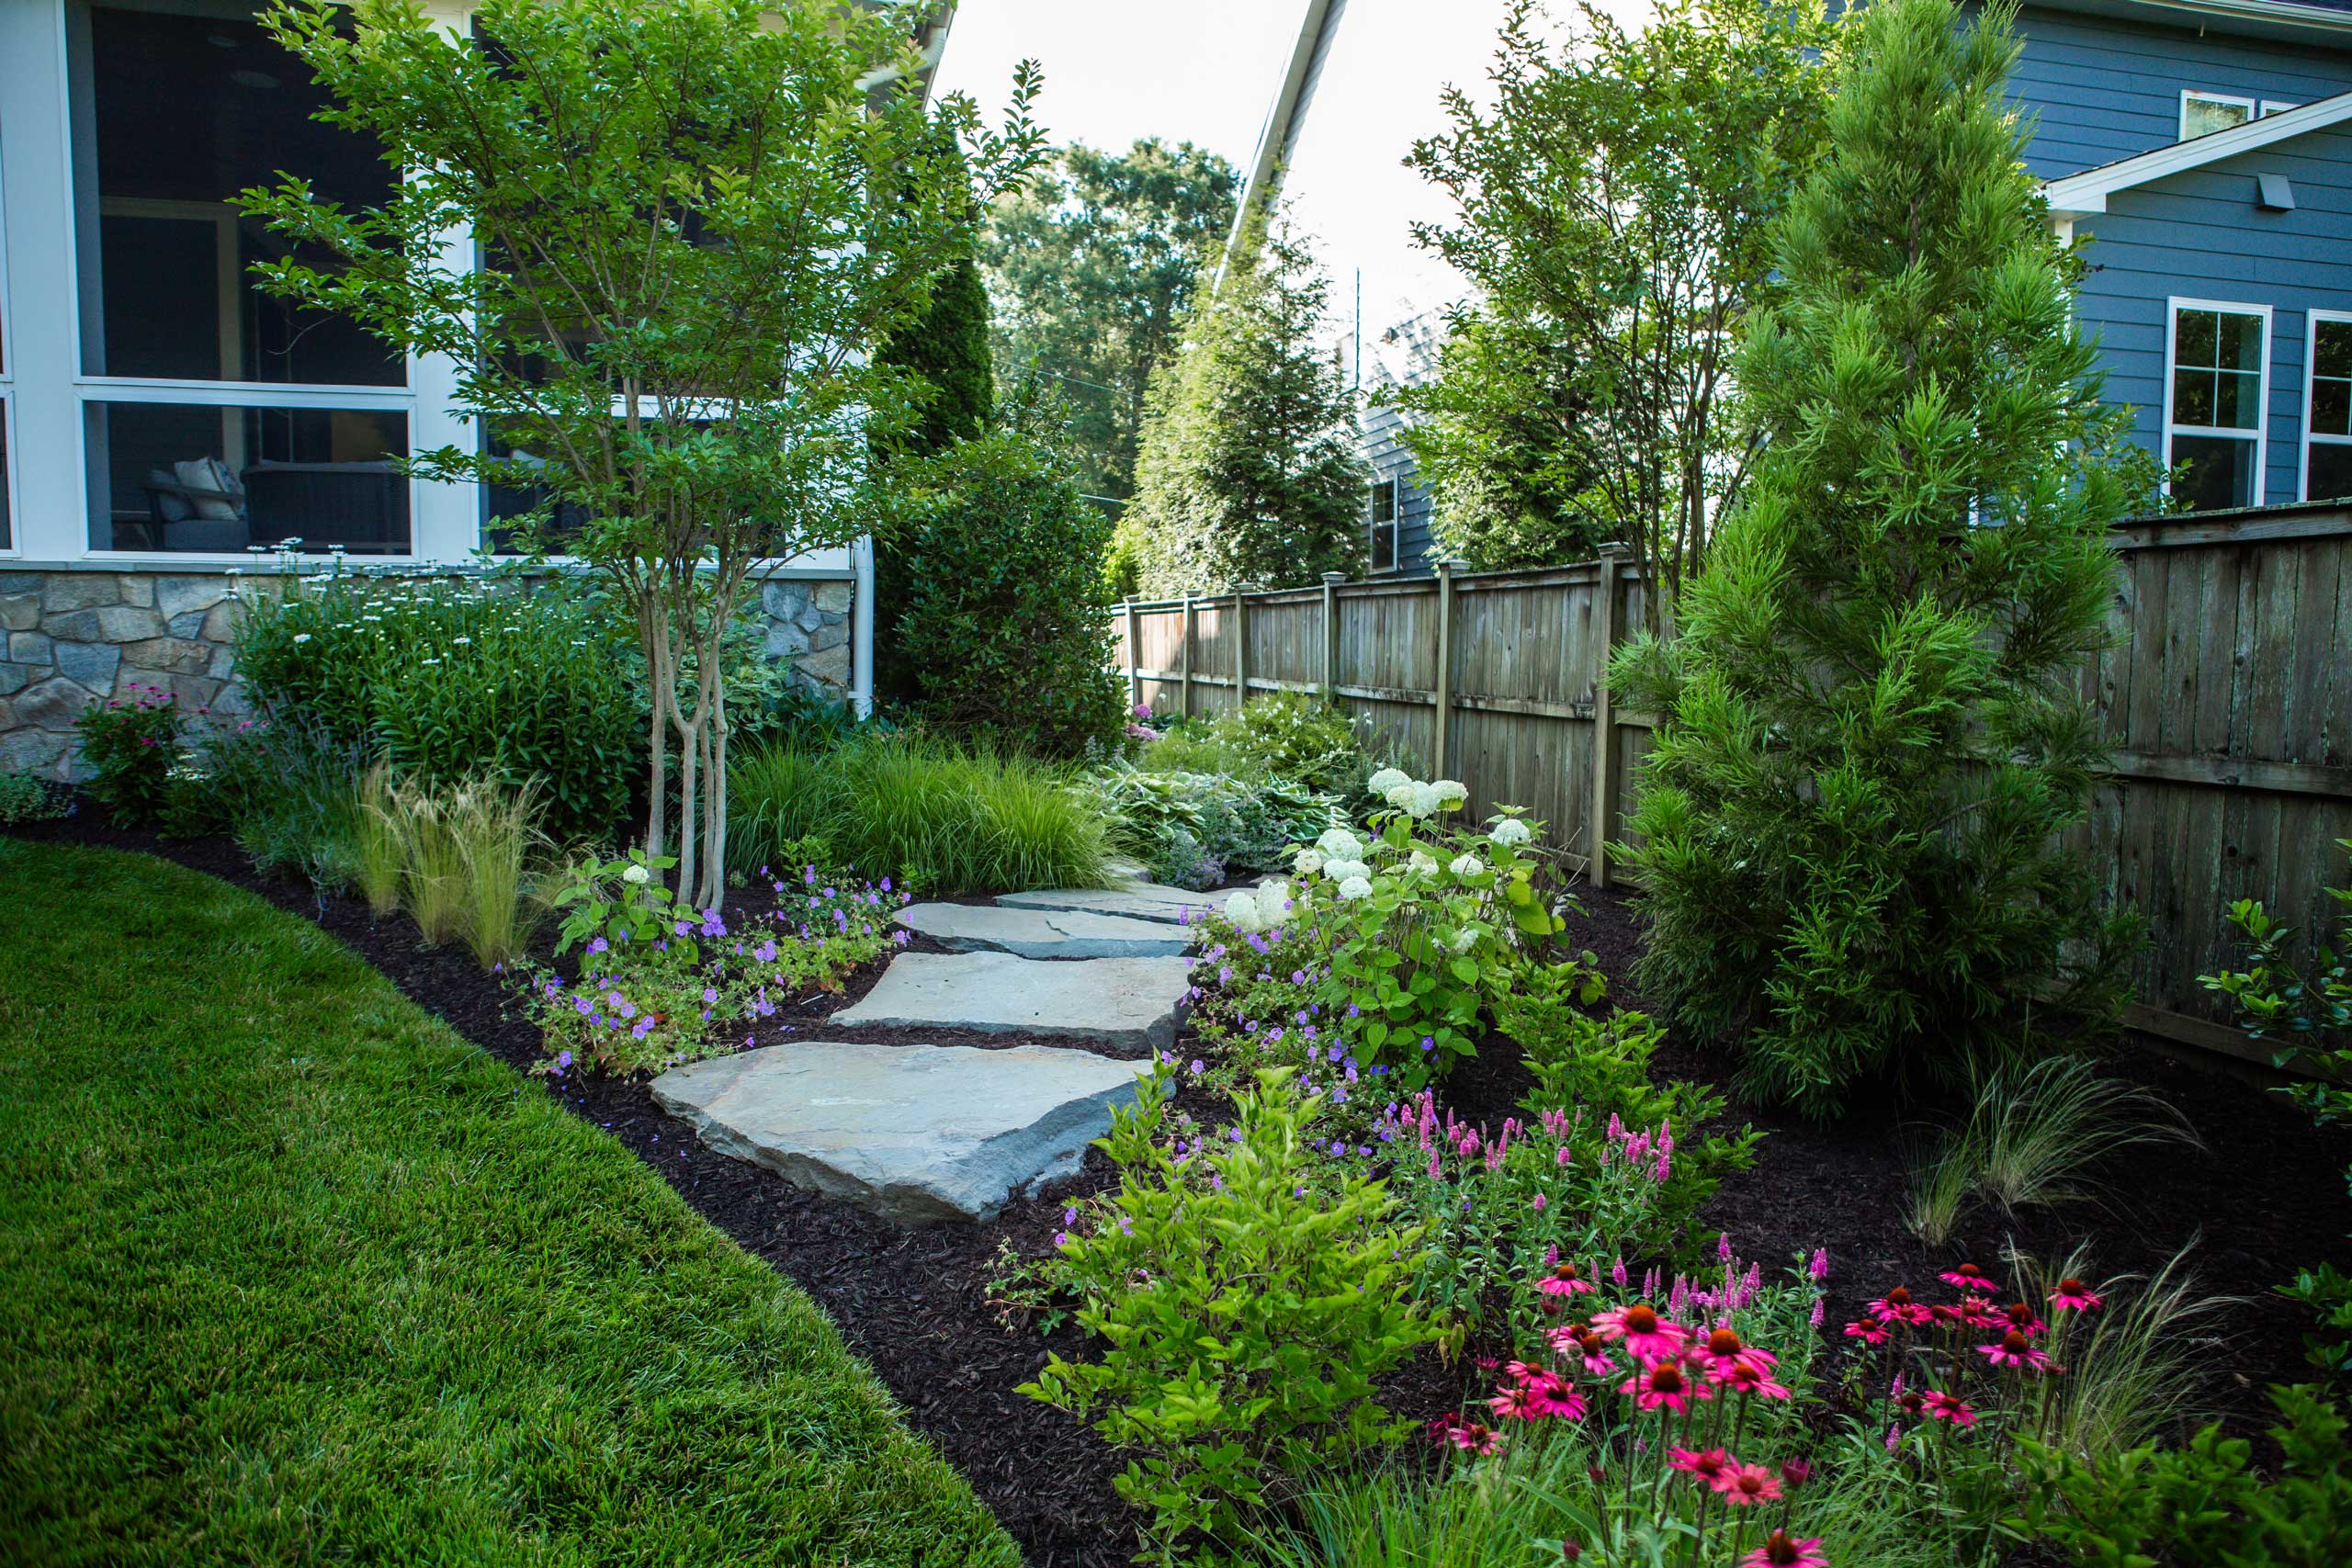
point(1378, 438)
point(2198, 235)
point(2106, 87)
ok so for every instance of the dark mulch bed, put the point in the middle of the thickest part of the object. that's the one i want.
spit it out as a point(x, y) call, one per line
point(2265, 1196)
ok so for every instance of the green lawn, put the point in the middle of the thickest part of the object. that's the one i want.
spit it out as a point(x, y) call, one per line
point(289, 1273)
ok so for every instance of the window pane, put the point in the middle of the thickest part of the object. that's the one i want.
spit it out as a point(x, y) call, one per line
point(2203, 117)
point(2241, 342)
point(2195, 338)
point(2237, 401)
point(1384, 501)
point(7, 523)
point(2217, 471)
point(181, 477)
point(2330, 407)
point(2331, 471)
point(1383, 548)
point(2332, 348)
point(187, 110)
point(2192, 397)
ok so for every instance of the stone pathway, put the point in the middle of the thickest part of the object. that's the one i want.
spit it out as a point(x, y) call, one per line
point(928, 1132)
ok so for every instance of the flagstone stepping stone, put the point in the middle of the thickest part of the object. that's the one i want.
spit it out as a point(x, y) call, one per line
point(1041, 933)
point(1116, 1003)
point(924, 1135)
point(1136, 900)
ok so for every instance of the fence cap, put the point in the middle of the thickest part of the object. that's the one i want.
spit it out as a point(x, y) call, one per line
point(1335, 577)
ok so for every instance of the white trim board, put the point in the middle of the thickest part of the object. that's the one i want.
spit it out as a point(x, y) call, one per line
point(2076, 195)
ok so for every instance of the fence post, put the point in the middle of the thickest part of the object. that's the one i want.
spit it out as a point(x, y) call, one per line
point(1331, 580)
point(1185, 665)
point(1135, 662)
point(1604, 721)
point(1240, 646)
point(1444, 684)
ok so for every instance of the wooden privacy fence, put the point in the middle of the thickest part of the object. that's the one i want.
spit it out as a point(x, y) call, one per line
point(2227, 701)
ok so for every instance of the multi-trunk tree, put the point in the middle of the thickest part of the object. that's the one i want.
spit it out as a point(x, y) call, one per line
point(692, 222)
point(1874, 737)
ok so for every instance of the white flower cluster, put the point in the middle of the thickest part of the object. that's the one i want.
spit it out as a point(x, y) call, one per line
point(1510, 830)
point(1257, 909)
point(1415, 799)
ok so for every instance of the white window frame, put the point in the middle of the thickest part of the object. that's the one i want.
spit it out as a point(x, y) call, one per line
point(1395, 525)
point(2312, 319)
point(2260, 434)
point(2274, 106)
point(2253, 108)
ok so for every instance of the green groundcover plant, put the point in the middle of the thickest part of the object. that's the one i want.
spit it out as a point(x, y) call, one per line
point(131, 744)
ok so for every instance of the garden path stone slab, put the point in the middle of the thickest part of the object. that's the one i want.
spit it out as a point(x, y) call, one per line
point(1116, 1002)
point(1136, 900)
point(924, 1135)
point(1041, 933)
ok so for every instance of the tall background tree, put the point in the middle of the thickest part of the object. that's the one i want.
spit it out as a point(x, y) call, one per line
point(695, 221)
point(1091, 266)
point(1614, 208)
point(1248, 471)
point(1873, 734)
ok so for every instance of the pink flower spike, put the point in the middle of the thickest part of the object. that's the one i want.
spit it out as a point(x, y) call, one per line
point(1819, 1266)
point(2073, 1295)
point(1969, 1277)
point(1781, 1550)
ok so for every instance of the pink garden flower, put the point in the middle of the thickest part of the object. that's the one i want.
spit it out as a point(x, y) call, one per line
point(1577, 1340)
point(1748, 1484)
point(1896, 1306)
point(1565, 1280)
point(1645, 1333)
point(2014, 1349)
point(2023, 1319)
point(1782, 1550)
point(1747, 1377)
point(1723, 1349)
point(1709, 1465)
point(1470, 1437)
point(2073, 1295)
point(1664, 1385)
point(1868, 1331)
point(1969, 1277)
point(1947, 1407)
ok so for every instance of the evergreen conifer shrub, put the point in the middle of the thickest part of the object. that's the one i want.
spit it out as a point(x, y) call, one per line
point(1873, 736)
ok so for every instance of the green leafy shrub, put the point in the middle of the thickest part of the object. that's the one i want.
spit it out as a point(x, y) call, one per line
point(920, 809)
point(1852, 839)
point(1200, 829)
point(1249, 1300)
point(1007, 623)
point(447, 679)
point(131, 743)
point(291, 793)
point(24, 798)
point(2205, 1504)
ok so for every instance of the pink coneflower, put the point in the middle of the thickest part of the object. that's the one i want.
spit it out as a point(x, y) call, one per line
point(1644, 1333)
point(2023, 1319)
point(1548, 1396)
point(1576, 1339)
point(2073, 1295)
point(1795, 1472)
point(1975, 1312)
point(1868, 1331)
point(1664, 1384)
point(1748, 1484)
point(1564, 1280)
point(1710, 1465)
point(1947, 1407)
point(1723, 1349)
point(1782, 1550)
point(1896, 1306)
point(1747, 1377)
point(1969, 1277)
point(1512, 1402)
point(1470, 1437)
point(2014, 1349)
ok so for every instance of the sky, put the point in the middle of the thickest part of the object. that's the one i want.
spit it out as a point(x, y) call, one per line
point(1205, 71)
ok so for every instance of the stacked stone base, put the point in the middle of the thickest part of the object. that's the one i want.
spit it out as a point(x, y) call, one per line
point(78, 637)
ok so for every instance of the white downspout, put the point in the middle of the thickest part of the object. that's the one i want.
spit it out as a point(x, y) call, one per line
point(861, 627)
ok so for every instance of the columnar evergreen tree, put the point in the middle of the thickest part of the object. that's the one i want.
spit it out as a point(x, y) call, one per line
point(1248, 471)
point(1872, 738)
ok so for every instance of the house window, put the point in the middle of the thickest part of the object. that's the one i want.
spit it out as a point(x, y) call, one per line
point(2216, 387)
point(2201, 114)
point(2272, 105)
point(1384, 514)
point(2327, 420)
point(215, 416)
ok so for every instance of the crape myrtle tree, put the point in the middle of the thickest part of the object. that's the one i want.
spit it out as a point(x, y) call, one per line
point(1614, 203)
point(1872, 736)
point(691, 220)
point(1248, 471)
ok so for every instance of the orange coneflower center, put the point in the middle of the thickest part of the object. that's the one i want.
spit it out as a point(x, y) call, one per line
point(1722, 1342)
point(1641, 1320)
point(2020, 1314)
point(2015, 1343)
point(1898, 1297)
point(1779, 1548)
point(1564, 1271)
point(1969, 1271)
point(1750, 1486)
point(2070, 1288)
point(1666, 1378)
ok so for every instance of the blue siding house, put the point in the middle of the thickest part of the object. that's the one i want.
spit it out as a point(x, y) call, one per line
point(2204, 150)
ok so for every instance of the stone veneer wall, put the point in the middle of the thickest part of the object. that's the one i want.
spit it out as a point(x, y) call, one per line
point(77, 637)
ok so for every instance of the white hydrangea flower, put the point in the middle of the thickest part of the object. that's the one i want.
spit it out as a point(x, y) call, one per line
point(1343, 870)
point(1510, 830)
point(1466, 866)
point(637, 876)
point(1425, 800)
point(1307, 863)
point(1464, 939)
point(1273, 902)
point(1401, 795)
point(1451, 792)
point(1241, 909)
point(1381, 783)
point(1423, 863)
point(1355, 887)
point(1338, 843)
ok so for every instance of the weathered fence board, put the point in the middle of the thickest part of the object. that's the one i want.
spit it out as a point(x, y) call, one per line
point(2226, 699)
